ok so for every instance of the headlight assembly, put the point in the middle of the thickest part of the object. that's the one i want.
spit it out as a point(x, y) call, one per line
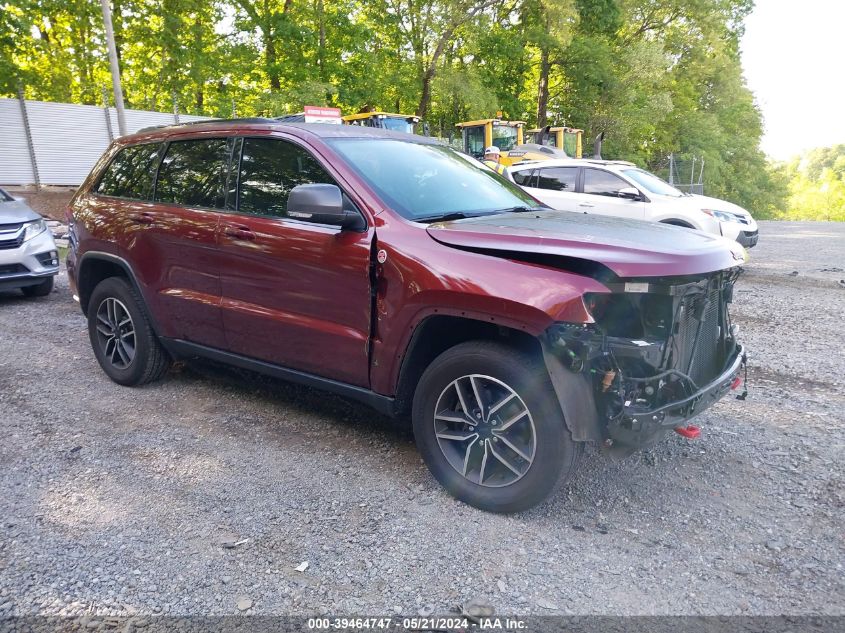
point(33, 228)
point(722, 216)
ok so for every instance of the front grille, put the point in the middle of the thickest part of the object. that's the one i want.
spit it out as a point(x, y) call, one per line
point(698, 348)
point(8, 244)
point(10, 228)
point(11, 269)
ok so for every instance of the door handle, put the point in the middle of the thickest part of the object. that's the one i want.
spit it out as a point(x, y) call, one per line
point(239, 233)
point(142, 218)
point(589, 205)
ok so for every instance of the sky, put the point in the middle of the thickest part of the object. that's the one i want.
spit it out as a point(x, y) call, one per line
point(793, 56)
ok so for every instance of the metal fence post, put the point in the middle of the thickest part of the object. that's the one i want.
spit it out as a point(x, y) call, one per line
point(30, 144)
point(108, 115)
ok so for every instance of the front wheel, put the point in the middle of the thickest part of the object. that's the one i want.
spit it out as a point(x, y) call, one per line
point(488, 426)
point(39, 290)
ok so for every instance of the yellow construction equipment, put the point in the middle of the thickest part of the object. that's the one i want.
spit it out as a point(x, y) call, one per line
point(481, 134)
point(384, 120)
point(569, 139)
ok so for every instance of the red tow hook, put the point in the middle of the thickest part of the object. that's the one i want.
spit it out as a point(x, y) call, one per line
point(690, 432)
point(736, 383)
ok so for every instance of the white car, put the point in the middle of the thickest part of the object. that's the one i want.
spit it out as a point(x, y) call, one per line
point(28, 256)
point(623, 189)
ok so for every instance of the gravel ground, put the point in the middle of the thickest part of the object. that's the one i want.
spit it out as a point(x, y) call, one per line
point(202, 494)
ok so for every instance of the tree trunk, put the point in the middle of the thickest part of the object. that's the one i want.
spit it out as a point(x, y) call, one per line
point(425, 96)
point(270, 60)
point(543, 88)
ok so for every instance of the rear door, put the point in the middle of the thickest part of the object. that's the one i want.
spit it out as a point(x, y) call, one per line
point(296, 294)
point(179, 251)
point(555, 186)
point(600, 195)
point(169, 248)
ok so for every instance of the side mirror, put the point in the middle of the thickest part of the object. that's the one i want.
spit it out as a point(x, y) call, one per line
point(323, 204)
point(630, 193)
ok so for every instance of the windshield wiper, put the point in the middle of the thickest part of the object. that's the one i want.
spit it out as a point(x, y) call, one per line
point(523, 209)
point(457, 215)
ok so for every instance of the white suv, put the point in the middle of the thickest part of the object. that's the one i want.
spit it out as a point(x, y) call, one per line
point(622, 189)
point(28, 256)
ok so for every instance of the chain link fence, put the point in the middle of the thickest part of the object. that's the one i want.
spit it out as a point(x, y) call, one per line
point(683, 172)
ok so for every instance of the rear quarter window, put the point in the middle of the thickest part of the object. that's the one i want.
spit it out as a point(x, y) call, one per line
point(130, 174)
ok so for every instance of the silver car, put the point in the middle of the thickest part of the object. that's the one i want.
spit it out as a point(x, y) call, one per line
point(29, 258)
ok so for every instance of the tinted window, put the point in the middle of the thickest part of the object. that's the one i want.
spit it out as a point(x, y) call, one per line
point(270, 168)
point(193, 173)
point(602, 183)
point(524, 178)
point(558, 178)
point(130, 174)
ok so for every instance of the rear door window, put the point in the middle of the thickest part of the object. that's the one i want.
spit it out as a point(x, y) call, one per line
point(131, 173)
point(525, 177)
point(269, 169)
point(602, 183)
point(558, 178)
point(193, 173)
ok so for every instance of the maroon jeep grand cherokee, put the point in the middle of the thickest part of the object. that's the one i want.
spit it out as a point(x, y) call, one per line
point(390, 269)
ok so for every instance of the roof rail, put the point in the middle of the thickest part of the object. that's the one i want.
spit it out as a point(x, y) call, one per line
point(243, 120)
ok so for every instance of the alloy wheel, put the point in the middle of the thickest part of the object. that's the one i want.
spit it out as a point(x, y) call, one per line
point(116, 333)
point(485, 430)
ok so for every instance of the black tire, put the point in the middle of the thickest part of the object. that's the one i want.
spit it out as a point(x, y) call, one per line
point(494, 367)
point(149, 361)
point(39, 290)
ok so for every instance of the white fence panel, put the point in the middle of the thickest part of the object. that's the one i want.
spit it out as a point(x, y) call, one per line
point(68, 139)
point(15, 164)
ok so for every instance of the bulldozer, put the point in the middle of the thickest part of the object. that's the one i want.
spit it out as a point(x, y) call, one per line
point(384, 120)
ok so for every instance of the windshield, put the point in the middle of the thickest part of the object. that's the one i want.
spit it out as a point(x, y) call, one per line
point(652, 183)
point(504, 137)
point(397, 125)
point(421, 181)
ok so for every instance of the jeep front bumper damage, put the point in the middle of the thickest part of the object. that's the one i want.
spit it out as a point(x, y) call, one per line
point(621, 410)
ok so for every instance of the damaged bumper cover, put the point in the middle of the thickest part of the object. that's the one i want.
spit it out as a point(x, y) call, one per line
point(653, 360)
point(638, 423)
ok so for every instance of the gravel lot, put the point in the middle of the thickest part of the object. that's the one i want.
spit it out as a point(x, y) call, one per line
point(202, 494)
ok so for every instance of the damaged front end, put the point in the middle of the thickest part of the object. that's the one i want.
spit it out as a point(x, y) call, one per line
point(660, 352)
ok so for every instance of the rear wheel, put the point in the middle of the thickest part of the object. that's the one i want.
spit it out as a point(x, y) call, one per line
point(489, 428)
point(124, 342)
point(39, 290)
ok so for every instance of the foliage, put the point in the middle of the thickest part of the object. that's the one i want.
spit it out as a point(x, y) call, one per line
point(816, 182)
point(656, 76)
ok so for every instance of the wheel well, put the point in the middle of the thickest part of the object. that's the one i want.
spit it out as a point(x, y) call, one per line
point(92, 272)
point(436, 334)
point(686, 225)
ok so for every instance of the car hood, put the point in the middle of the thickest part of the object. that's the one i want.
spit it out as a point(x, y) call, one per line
point(15, 212)
point(629, 248)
